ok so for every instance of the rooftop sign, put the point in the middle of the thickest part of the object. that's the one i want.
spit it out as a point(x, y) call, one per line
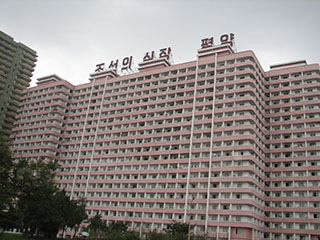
point(224, 39)
point(164, 56)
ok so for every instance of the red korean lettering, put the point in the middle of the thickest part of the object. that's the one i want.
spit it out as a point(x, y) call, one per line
point(225, 38)
point(165, 53)
point(148, 56)
point(206, 42)
point(231, 36)
point(126, 63)
point(114, 64)
point(100, 67)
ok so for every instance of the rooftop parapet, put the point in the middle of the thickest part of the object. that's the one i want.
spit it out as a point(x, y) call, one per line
point(49, 78)
point(288, 64)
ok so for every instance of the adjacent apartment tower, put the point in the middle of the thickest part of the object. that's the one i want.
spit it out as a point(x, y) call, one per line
point(17, 62)
point(217, 142)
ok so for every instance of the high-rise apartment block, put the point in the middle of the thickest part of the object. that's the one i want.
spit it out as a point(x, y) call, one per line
point(217, 142)
point(17, 62)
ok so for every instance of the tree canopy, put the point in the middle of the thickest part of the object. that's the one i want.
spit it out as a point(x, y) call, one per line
point(98, 229)
point(6, 184)
point(30, 200)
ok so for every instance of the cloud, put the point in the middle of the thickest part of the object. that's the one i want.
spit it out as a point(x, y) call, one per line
point(72, 36)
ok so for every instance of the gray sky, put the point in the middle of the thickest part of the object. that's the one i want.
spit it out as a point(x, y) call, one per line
point(72, 36)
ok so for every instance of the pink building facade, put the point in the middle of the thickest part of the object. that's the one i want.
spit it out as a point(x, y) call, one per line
point(217, 142)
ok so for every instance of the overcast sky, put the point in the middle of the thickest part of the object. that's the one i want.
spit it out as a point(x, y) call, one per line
point(72, 36)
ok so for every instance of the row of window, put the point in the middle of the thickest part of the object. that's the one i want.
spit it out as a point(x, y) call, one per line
point(297, 183)
point(294, 108)
point(179, 216)
point(292, 75)
point(287, 164)
point(41, 91)
point(161, 195)
point(290, 193)
point(214, 219)
point(49, 114)
point(50, 99)
point(302, 126)
point(294, 91)
point(295, 144)
point(170, 206)
point(155, 166)
point(294, 100)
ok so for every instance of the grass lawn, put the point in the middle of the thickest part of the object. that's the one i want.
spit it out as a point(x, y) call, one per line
point(11, 236)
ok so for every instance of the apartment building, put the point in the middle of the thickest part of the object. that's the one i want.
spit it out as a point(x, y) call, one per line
point(17, 62)
point(218, 142)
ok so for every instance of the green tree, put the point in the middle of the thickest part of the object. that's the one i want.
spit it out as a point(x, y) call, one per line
point(119, 231)
point(29, 199)
point(130, 235)
point(75, 213)
point(96, 227)
point(178, 231)
point(154, 235)
point(43, 208)
point(7, 190)
point(118, 226)
point(36, 197)
point(113, 231)
point(113, 236)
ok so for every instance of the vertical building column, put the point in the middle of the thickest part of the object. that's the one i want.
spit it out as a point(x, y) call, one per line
point(95, 137)
point(186, 204)
point(211, 143)
point(218, 230)
point(81, 142)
